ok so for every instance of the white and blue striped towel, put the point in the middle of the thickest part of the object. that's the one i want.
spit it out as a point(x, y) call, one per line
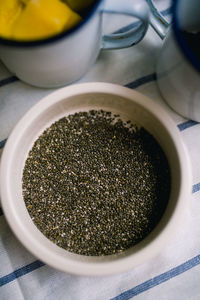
point(173, 274)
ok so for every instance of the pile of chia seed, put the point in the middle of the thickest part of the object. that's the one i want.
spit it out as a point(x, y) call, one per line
point(95, 185)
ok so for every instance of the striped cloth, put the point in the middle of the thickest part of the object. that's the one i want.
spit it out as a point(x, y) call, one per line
point(175, 272)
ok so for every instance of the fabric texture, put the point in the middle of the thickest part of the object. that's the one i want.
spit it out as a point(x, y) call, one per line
point(174, 273)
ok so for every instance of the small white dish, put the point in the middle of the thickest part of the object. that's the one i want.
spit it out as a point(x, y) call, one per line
point(83, 97)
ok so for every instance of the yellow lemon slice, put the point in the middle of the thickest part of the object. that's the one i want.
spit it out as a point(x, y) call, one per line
point(43, 18)
point(9, 12)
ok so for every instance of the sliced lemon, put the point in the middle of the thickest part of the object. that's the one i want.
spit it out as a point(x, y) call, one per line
point(9, 12)
point(43, 18)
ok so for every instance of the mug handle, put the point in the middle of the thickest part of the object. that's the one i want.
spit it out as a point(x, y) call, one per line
point(134, 8)
point(157, 21)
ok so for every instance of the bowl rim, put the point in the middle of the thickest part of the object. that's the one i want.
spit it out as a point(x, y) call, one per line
point(124, 263)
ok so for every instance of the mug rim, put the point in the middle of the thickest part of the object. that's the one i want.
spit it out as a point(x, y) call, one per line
point(193, 60)
point(54, 38)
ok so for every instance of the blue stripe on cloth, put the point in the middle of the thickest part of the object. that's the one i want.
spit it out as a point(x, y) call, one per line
point(149, 284)
point(140, 81)
point(8, 80)
point(21, 272)
point(187, 124)
point(196, 188)
point(2, 143)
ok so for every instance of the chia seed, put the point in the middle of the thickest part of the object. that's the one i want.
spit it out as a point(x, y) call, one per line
point(95, 185)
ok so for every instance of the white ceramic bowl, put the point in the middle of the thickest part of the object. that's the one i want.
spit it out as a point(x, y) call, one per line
point(82, 97)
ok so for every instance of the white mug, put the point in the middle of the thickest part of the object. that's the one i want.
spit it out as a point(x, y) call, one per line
point(178, 65)
point(66, 57)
